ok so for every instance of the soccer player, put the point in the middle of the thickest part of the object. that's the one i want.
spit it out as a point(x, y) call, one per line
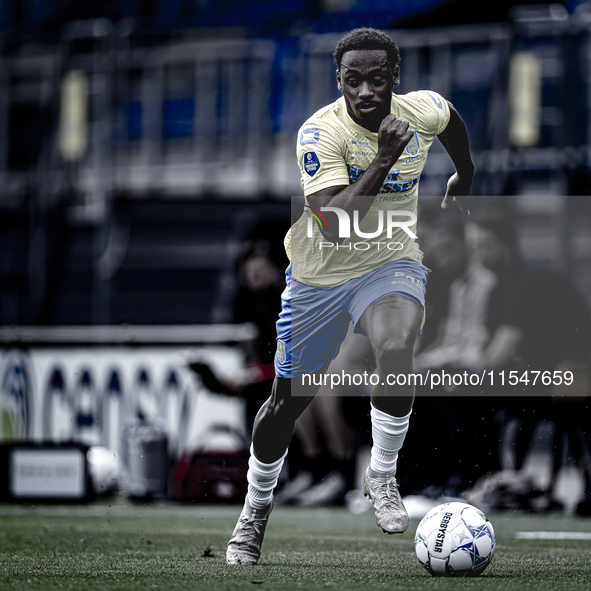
point(362, 156)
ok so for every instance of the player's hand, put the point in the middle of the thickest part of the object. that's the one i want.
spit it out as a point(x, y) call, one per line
point(457, 190)
point(393, 135)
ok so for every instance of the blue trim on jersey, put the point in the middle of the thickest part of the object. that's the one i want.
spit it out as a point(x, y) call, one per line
point(310, 140)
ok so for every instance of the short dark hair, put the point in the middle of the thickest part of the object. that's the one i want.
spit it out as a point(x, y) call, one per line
point(366, 38)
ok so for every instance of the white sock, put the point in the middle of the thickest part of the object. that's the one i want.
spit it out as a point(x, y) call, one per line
point(388, 435)
point(262, 479)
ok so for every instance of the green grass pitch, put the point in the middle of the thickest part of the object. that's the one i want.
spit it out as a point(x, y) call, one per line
point(117, 545)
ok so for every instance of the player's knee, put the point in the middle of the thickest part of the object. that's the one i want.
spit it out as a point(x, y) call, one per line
point(395, 349)
point(284, 413)
point(284, 405)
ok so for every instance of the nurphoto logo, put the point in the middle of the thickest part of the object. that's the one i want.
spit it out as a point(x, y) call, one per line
point(385, 218)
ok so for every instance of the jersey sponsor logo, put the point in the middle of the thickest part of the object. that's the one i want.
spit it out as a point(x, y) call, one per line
point(354, 173)
point(436, 99)
point(311, 135)
point(311, 163)
point(280, 351)
point(391, 184)
point(413, 146)
point(415, 159)
point(397, 186)
point(393, 198)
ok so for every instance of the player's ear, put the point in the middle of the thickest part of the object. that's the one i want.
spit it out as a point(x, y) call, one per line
point(396, 75)
point(339, 80)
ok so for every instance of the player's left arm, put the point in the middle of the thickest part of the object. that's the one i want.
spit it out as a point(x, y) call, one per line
point(454, 139)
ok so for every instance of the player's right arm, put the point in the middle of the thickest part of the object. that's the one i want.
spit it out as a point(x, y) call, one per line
point(393, 135)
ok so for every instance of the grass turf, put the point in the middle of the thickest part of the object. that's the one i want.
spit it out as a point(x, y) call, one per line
point(118, 545)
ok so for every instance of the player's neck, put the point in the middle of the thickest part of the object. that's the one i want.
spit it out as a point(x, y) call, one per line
point(372, 126)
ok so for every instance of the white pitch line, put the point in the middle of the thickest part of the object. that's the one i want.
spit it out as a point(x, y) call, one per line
point(553, 535)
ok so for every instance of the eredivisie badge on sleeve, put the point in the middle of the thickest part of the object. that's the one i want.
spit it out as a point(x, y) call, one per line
point(311, 163)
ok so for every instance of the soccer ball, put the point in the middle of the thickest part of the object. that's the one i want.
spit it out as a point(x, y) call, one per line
point(455, 539)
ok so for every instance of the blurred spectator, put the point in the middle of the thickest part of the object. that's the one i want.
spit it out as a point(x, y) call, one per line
point(261, 282)
point(258, 301)
point(464, 328)
point(536, 318)
point(439, 279)
point(438, 418)
point(537, 321)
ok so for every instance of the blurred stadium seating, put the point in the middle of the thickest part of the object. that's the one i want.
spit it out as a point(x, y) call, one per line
point(139, 145)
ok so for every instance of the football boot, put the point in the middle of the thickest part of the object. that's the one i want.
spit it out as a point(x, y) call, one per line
point(382, 490)
point(245, 544)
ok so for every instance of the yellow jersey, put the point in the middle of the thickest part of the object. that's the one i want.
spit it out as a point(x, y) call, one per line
point(334, 150)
